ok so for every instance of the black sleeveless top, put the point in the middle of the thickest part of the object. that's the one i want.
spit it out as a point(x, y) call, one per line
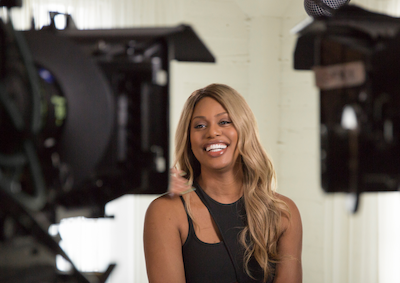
point(205, 262)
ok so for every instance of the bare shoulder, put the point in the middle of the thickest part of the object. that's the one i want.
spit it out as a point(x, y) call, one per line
point(165, 209)
point(162, 238)
point(294, 218)
point(166, 216)
point(289, 202)
point(289, 269)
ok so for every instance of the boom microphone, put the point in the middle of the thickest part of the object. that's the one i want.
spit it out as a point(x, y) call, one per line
point(319, 8)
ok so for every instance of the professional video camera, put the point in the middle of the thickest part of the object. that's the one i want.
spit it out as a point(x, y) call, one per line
point(84, 119)
point(355, 55)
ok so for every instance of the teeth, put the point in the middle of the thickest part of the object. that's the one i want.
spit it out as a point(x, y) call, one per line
point(216, 147)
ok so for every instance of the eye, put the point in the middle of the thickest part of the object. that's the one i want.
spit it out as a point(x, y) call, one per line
point(199, 126)
point(225, 122)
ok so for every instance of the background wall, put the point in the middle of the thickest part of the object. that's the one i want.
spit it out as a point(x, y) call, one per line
point(253, 45)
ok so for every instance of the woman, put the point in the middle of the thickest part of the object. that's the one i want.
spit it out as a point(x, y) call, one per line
point(231, 226)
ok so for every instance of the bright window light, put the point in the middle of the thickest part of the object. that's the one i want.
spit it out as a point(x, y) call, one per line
point(60, 21)
point(86, 241)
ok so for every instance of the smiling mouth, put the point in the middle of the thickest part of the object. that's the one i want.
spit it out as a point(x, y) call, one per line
point(215, 147)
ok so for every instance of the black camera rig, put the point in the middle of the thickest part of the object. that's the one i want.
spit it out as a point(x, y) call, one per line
point(355, 57)
point(84, 119)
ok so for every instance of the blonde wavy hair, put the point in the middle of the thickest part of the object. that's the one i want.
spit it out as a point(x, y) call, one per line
point(263, 209)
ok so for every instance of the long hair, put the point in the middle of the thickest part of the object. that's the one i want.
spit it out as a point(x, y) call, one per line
point(263, 209)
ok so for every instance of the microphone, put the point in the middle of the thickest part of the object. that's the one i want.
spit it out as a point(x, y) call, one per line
point(319, 8)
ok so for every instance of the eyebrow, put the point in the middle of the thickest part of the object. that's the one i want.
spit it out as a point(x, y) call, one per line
point(203, 117)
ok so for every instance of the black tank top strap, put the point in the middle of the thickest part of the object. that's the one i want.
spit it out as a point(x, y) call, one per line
point(190, 222)
point(208, 262)
point(230, 221)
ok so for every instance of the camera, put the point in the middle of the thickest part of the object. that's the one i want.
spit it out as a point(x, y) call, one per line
point(84, 119)
point(355, 57)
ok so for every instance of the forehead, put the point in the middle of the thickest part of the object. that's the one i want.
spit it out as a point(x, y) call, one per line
point(208, 106)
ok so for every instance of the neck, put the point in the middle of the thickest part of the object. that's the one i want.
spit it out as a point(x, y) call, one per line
point(224, 187)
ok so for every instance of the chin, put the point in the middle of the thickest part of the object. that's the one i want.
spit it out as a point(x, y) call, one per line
point(222, 167)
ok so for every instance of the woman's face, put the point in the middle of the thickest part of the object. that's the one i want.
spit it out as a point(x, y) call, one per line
point(213, 137)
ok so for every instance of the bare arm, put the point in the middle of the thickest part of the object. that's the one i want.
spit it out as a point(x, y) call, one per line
point(162, 241)
point(289, 270)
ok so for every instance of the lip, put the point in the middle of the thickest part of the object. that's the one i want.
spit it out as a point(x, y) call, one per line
point(215, 142)
point(218, 153)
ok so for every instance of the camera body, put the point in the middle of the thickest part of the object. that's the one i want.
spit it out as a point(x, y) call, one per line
point(84, 119)
point(355, 57)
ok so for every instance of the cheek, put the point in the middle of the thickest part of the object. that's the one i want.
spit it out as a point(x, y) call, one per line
point(234, 136)
point(235, 140)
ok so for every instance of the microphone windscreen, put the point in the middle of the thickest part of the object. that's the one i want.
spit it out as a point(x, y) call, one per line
point(318, 8)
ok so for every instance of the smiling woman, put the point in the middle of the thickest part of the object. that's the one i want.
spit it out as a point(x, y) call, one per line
point(213, 137)
point(233, 227)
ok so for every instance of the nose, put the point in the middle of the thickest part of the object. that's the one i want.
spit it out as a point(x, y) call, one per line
point(213, 130)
